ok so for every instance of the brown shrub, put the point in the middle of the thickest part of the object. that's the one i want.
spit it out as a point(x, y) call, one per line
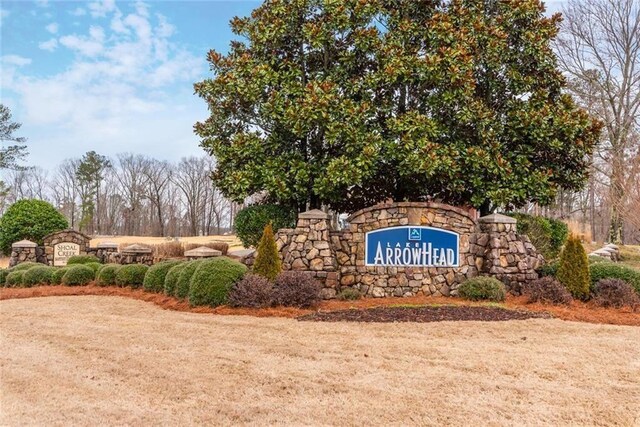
point(252, 291)
point(121, 246)
point(547, 290)
point(296, 289)
point(615, 293)
point(168, 250)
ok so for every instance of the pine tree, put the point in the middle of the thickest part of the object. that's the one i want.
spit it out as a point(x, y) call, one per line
point(268, 262)
point(573, 271)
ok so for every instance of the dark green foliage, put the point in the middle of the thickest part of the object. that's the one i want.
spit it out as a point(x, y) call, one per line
point(615, 293)
point(83, 259)
point(14, 279)
point(107, 274)
point(58, 274)
point(252, 291)
point(78, 275)
point(612, 270)
point(131, 275)
point(29, 219)
point(296, 289)
point(349, 294)
point(3, 275)
point(171, 279)
point(360, 101)
point(154, 279)
point(547, 290)
point(25, 266)
point(40, 275)
point(482, 288)
point(549, 269)
point(267, 263)
point(251, 221)
point(96, 266)
point(573, 271)
point(547, 234)
point(212, 281)
point(184, 279)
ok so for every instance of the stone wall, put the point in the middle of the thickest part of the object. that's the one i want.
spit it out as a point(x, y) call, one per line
point(25, 251)
point(65, 236)
point(487, 246)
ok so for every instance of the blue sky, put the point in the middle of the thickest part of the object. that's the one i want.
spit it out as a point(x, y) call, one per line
point(111, 76)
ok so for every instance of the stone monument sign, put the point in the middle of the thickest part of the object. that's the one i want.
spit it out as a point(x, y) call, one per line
point(63, 251)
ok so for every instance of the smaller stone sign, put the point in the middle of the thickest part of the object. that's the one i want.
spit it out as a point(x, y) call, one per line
point(63, 251)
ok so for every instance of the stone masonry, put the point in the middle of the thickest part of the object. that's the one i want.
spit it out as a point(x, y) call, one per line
point(487, 246)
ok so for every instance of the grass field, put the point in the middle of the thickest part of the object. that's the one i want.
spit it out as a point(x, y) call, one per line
point(86, 359)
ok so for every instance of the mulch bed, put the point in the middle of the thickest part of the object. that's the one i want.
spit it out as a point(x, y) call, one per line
point(423, 314)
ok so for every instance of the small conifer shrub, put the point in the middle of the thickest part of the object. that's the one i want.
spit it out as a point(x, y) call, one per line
point(573, 270)
point(267, 262)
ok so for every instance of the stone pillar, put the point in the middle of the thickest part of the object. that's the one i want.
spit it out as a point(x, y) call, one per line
point(103, 250)
point(25, 251)
point(310, 250)
point(134, 254)
point(509, 257)
point(201, 253)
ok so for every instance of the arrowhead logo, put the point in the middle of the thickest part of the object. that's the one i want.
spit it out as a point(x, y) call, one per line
point(415, 234)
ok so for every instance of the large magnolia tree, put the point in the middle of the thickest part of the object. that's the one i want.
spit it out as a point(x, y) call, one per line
point(351, 102)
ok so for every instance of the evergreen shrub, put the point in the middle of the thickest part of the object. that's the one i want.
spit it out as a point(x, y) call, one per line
point(40, 275)
point(184, 279)
point(482, 288)
point(171, 279)
point(131, 275)
point(155, 276)
point(78, 275)
point(107, 275)
point(212, 281)
point(267, 263)
point(83, 259)
point(573, 271)
point(14, 279)
point(612, 270)
point(250, 221)
point(58, 274)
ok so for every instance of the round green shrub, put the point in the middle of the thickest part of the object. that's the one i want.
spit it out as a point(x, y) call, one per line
point(595, 259)
point(3, 275)
point(83, 259)
point(612, 270)
point(482, 288)
point(78, 275)
point(14, 279)
point(250, 221)
point(29, 219)
point(182, 285)
point(131, 275)
point(94, 265)
point(40, 275)
point(212, 281)
point(154, 279)
point(549, 269)
point(107, 274)
point(57, 275)
point(171, 279)
point(23, 266)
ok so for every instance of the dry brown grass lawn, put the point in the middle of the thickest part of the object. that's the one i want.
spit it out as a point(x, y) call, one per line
point(89, 360)
point(232, 240)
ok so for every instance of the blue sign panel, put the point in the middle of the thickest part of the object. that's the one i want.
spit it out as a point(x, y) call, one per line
point(412, 246)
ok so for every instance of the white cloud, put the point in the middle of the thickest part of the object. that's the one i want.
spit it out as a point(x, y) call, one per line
point(15, 60)
point(52, 28)
point(126, 78)
point(101, 8)
point(49, 45)
point(78, 11)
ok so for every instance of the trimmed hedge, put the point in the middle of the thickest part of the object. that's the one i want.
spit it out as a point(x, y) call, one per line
point(14, 279)
point(171, 279)
point(78, 275)
point(57, 275)
point(3, 275)
point(212, 281)
point(83, 259)
point(131, 275)
point(154, 278)
point(250, 221)
point(96, 266)
point(611, 270)
point(40, 275)
point(296, 289)
point(184, 279)
point(482, 288)
point(107, 275)
point(23, 266)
